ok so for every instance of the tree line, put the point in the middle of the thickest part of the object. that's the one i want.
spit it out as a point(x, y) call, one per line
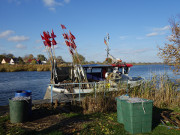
point(23, 60)
point(30, 58)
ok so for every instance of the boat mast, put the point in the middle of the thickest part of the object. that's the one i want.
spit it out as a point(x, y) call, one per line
point(106, 39)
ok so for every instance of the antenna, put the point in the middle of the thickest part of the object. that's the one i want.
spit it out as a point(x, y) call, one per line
point(107, 45)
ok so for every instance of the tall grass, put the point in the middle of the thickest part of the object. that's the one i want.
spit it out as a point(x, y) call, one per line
point(160, 89)
point(103, 100)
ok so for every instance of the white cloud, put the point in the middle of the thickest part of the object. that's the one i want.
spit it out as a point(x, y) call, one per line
point(6, 33)
point(18, 38)
point(51, 4)
point(159, 31)
point(152, 34)
point(162, 29)
point(20, 46)
point(123, 37)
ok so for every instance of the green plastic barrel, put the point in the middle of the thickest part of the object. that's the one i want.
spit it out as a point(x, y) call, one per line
point(19, 110)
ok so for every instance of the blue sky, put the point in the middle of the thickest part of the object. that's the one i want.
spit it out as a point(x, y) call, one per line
point(136, 27)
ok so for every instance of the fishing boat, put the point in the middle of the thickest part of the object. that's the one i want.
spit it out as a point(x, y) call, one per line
point(66, 79)
point(82, 79)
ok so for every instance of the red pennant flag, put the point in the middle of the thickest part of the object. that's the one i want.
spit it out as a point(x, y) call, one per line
point(45, 43)
point(48, 43)
point(45, 35)
point(48, 35)
point(54, 41)
point(63, 27)
point(65, 36)
point(71, 51)
point(68, 43)
point(42, 37)
point(52, 34)
point(71, 35)
point(73, 45)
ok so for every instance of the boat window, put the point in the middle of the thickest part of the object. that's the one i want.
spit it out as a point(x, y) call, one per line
point(120, 70)
point(88, 70)
point(95, 70)
point(126, 70)
point(110, 69)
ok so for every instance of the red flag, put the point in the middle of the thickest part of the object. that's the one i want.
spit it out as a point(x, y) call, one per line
point(48, 43)
point(71, 51)
point(71, 35)
point(42, 37)
point(65, 36)
point(45, 35)
point(48, 35)
point(45, 43)
point(73, 45)
point(52, 34)
point(54, 41)
point(63, 27)
point(68, 43)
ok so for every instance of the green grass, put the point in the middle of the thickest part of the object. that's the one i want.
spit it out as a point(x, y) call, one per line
point(97, 123)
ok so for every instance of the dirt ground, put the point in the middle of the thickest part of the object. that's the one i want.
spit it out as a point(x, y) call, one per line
point(46, 117)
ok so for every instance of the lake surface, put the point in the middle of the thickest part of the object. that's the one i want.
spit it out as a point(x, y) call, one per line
point(37, 82)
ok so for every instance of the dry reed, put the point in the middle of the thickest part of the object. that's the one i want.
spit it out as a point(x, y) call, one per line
point(160, 89)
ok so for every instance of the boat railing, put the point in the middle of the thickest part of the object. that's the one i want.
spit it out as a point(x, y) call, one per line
point(81, 88)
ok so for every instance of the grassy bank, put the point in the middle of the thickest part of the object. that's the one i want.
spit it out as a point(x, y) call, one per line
point(69, 119)
point(26, 67)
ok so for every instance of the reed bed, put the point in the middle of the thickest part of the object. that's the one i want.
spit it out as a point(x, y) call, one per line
point(160, 89)
point(103, 100)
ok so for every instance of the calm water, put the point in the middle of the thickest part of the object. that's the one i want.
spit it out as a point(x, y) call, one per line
point(37, 81)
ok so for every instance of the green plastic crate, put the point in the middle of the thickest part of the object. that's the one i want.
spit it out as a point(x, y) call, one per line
point(136, 117)
point(119, 110)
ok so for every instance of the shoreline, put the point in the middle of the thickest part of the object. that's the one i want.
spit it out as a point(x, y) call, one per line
point(46, 67)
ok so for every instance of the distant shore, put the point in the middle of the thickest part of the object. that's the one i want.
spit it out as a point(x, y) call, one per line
point(46, 67)
point(148, 63)
point(25, 67)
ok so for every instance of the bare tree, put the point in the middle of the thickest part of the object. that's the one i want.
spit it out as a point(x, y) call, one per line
point(171, 51)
